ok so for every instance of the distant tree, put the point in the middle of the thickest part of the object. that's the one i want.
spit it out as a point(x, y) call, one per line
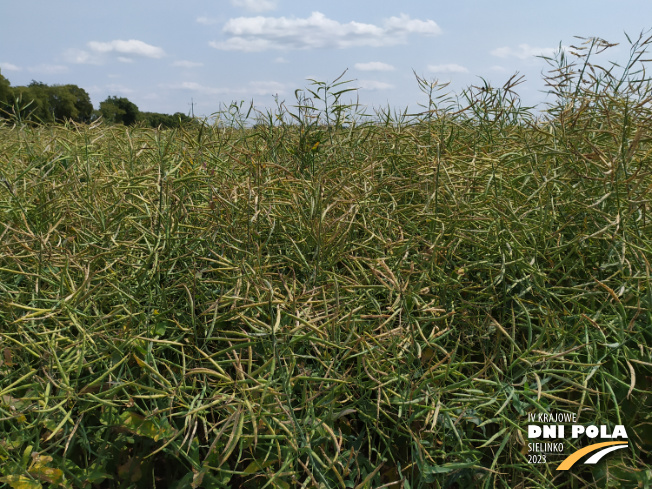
point(69, 102)
point(155, 119)
point(181, 118)
point(6, 96)
point(56, 103)
point(5, 88)
point(42, 103)
point(119, 110)
point(33, 102)
point(83, 103)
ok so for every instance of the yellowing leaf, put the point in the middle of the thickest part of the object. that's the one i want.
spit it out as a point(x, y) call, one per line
point(21, 482)
point(41, 471)
point(48, 474)
point(140, 363)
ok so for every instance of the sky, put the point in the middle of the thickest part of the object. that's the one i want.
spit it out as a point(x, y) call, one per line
point(200, 55)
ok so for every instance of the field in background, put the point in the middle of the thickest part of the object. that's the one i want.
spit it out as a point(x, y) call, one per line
point(326, 301)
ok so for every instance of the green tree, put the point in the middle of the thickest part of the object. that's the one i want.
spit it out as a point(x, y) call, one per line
point(82, 103)
point(56, 103)
point(34, 103)
point(61, 103)
point(119, 110)
point(69, 102)
point(180, 119)
point(155, 119)
point(6, 95)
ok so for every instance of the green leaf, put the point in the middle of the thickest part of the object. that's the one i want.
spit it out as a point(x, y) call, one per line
point(150, 428)
point(159, 328)
point(256, 466)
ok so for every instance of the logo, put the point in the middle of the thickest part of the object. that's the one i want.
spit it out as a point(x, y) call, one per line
point(602, 451)
point(552, 429)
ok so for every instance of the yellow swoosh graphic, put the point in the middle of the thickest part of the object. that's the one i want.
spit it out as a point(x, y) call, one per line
point(574, 457)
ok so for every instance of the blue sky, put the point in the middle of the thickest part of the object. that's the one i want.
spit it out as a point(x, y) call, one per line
point(163, 54)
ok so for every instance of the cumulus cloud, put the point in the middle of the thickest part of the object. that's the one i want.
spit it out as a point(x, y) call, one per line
point(79, 56)
point(523, 51)
point(404, 24)
point(255, 5)
point(132, 46)
point(9, 67)
point(318, 31)
point(447, 68)
point(374, 85)
point(374, 66)
point(187, 64)
point(124, 51)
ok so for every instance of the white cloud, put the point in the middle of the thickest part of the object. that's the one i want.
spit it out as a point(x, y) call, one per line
point(523, 51)
point(110, 89)
point(280, 59)
point(447, 68)
point(374, 85)
point(99, 51)
point(265, 88)
point(254, 87)
point(374, 66)
point(132, 46)
point(79, 56)
point(255, 5)
point(318, 31)
point(191, 86)
point(9, 67)
point(498, 68)
point(404, 23)
point(187, 64)
point(240, 44)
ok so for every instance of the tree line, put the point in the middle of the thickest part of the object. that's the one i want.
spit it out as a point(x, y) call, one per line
point(39, 102)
